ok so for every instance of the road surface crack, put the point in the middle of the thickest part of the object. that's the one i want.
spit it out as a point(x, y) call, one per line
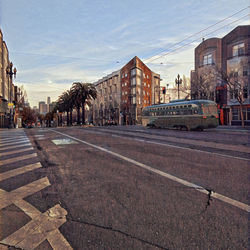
point(117, 231)
point(209, 198)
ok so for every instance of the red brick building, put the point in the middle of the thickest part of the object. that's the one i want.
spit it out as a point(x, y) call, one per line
point(122, 94)
point(140, 87)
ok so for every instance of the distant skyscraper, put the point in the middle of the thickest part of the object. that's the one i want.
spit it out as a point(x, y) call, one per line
point(42, 108)
point(48, 100)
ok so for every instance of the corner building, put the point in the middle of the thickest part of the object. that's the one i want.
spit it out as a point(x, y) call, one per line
point(123, 94)
point(228, 54)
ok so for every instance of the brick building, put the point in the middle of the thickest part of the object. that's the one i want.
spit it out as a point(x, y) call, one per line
point(122, 94)
point(215, 57)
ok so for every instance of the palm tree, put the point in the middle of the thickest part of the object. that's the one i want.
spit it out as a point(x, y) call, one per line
point(66, 102)
point(82, 94)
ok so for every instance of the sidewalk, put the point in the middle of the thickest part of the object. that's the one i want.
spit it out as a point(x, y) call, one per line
point(235, 128)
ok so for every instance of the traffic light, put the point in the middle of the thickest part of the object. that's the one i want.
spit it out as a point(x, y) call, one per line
point(163, 90)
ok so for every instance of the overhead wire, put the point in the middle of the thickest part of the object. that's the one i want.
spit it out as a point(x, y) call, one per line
point(195, 34)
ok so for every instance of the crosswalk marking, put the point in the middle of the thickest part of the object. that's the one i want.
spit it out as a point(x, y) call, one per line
point(18, 171)
point(9, 139)
point(15, 146)
point(16, 151)
point(13, 143)
point(42, 225)
point(45, 226)
point(19, 158)
point(7, 198)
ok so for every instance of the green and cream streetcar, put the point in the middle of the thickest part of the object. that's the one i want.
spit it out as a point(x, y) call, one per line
point(182, 114)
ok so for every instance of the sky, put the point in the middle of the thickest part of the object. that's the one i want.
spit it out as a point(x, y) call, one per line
point(54, 43)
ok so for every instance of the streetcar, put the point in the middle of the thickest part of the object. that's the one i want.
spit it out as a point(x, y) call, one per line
point(182, 114)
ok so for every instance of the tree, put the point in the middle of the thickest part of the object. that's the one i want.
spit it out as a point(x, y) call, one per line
point(238, 89)
point(204, 85)
point(66, 104)
point(82, 93)
point(49, 117)
point(28, 115)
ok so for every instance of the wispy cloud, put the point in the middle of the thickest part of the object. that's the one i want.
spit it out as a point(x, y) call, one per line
point(54, 43)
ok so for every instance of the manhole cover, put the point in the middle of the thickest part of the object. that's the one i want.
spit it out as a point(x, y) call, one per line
point(64, 141)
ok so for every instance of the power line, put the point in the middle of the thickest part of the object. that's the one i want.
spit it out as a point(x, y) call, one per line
point(207, 28)
point(159, 56)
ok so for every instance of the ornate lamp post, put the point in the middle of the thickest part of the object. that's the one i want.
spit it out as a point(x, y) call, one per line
point(10, 72)
point(178, 81)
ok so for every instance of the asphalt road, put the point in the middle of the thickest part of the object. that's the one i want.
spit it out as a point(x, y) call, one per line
point(136, 188)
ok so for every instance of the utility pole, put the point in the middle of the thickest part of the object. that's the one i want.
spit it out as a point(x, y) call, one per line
point(178, 81)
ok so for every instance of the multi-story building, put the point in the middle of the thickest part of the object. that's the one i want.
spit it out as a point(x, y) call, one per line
point(106, 106)
point(48, 100)
point(6, 87)
point(43, 108)
point(216, 59)
point(122, 94)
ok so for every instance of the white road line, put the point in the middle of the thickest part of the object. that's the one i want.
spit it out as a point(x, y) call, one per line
point(13, 143)
point(7, 198)
point(19, 158)
point(217, 145)
point(16, 151)
point(15, 146)
point(197, 150)
point(13, 138)
point(185, 148)
point(225, 199)
point(18, 171)
point(39, 229)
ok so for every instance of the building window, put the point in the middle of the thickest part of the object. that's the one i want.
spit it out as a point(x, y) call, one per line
point(235, 114)
point(207, 59)
point(239, 49)
point(245, 92)
point(126, 74)
point(245, 71)
point(133, 72)
point(133, 91)
point(133, 81)
point(134, 100)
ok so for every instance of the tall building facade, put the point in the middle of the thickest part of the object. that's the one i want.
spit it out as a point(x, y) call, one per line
point(216, 58)
point(43, 108)
point(7, 90)
point(122, 94)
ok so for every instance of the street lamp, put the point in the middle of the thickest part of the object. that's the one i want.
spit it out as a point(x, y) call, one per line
point(10, 72)
point(178, 81)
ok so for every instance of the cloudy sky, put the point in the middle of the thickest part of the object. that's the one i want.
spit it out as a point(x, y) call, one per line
point(54, 43)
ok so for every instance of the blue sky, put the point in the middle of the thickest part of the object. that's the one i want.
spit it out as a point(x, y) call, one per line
point(54, 43)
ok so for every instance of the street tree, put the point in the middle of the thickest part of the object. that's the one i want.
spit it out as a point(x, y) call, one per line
point(28, 115)
point(238, 86)
point(82, 94)
point(66, 103)
point(204, 85)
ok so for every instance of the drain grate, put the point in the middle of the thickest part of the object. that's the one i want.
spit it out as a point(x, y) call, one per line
point(64, 141)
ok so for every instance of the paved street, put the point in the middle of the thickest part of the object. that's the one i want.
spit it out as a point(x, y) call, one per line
point(124, 188)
